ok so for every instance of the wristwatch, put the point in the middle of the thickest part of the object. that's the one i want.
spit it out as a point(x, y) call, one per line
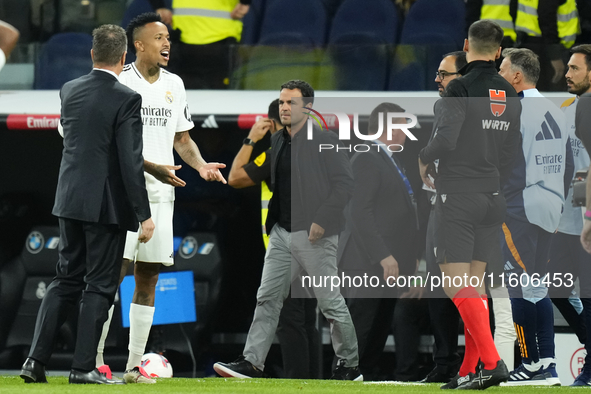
point(248, 141)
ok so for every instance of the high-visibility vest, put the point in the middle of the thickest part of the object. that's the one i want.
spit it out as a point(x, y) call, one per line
point(567, 16)
point(266, 195)
point(498, 11)
point(205, 21)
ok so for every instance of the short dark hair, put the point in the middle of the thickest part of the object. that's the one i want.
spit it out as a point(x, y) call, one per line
point(585, 49)
point(373, 123)
point(460, 59)
point(137, 23)
point(525, 60)
point(108, 44)
point(485, 36)
point(303, 86)
point(273, 112)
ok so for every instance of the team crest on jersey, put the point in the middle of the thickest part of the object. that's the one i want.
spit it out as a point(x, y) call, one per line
point(498, 98)
point(168, 97)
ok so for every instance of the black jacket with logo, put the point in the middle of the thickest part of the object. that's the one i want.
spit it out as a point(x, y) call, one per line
point(477, 133)
point(322, 180)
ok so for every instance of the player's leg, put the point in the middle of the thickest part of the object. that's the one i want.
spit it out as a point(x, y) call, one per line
point(151, 256)
point(544, 311)
point(141, 312)
point(505, 335)
point(520, 244)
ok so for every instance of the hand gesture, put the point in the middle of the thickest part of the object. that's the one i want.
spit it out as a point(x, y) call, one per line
point(164, 174)
point(211, 172)
point(146, 231)
point(316, 232)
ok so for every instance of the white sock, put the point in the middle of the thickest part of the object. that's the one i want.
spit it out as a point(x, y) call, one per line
point(533, 366)
point(140, 322)
point(101, 345)
point(547, 361)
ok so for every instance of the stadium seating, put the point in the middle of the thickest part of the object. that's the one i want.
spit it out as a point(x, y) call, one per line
point(428, 33)
point(358, 53)
point(64, 57)
point(294, 23)
point(252, 22)
point(135, 8)
point(267, 67)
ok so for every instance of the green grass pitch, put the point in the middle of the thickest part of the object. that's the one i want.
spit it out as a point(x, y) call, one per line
point(59, 385)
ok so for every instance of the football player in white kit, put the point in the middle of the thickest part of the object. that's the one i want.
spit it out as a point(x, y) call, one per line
point(166, 123)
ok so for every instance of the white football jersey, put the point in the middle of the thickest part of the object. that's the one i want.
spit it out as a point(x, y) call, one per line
point(571, 221)
point(164, 113)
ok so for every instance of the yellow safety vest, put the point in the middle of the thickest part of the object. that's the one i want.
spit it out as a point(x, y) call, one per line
point(567, 15)
point(266, 195)
point(498, 11)
point(205, 21)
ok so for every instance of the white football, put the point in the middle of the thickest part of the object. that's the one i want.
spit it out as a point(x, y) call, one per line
point(156, 366)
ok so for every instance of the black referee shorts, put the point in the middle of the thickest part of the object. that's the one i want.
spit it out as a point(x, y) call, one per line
point(468, 227)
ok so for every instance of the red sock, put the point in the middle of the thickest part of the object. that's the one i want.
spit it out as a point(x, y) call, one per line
point(470, 355)
point(475, 316)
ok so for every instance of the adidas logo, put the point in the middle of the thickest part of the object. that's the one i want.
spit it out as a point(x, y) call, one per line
point(545, 133)
point(210, 123)
point(508, 266)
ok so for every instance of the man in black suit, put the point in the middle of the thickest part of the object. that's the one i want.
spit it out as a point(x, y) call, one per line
point(101, 194)
point(380, 237)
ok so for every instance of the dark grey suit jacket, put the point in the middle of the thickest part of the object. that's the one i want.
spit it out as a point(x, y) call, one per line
point(381, 218)
point(101, 176)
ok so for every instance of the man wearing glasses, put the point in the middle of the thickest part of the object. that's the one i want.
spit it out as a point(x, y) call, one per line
point(443, 314)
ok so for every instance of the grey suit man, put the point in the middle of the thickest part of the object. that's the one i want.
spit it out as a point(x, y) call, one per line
point(101, 194)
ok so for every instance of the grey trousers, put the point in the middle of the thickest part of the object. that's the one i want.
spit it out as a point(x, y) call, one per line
point(287, 255)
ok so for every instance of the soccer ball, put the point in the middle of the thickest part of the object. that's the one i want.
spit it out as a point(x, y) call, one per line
point(156, 366)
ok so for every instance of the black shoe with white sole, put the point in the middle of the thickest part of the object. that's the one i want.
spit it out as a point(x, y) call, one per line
point(241, 368)
point(342, 372)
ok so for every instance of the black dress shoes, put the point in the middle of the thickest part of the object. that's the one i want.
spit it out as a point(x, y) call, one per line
point(92, 377)
point(33, 371)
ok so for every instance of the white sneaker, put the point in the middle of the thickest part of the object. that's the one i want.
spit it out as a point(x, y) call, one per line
point(137, 375)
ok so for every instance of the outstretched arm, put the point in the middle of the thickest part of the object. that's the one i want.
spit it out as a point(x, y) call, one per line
point(189, 152)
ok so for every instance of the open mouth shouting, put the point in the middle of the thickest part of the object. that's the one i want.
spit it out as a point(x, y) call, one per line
point(165, 54)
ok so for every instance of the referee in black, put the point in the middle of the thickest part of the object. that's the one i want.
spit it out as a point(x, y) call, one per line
point(475, 142)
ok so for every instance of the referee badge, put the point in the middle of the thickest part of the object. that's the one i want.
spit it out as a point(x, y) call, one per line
point(168, 97)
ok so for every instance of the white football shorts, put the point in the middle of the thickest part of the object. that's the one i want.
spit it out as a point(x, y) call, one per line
point(160, 248)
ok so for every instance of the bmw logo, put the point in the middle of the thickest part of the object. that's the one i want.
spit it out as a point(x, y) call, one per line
point(188, 247)
point(35, 242)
